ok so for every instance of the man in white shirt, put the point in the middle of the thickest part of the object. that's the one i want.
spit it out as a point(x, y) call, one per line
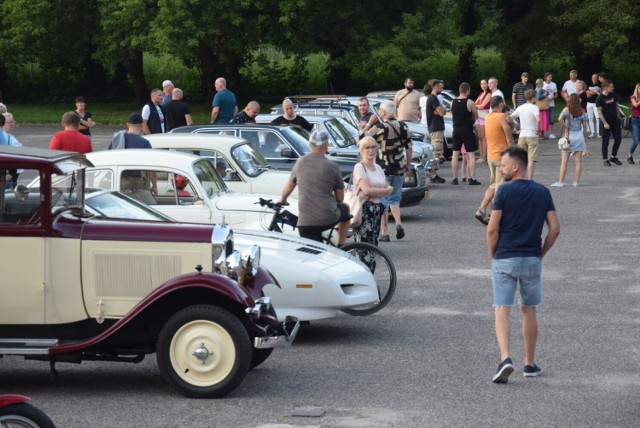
point(529, 115)
point(553, 94)
point(569, 86)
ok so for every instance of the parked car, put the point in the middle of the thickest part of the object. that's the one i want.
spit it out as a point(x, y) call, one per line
point(315, 281)
point(283, 145)
point(183, 186)
point(77, 286)
point(241, 166)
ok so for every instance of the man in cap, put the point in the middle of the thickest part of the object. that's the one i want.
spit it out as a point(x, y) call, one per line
point(131, 138)
point(167, 90)
point(320, 194)
point(517, 95)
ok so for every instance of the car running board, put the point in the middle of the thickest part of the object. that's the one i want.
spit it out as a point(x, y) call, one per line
point(26, 346)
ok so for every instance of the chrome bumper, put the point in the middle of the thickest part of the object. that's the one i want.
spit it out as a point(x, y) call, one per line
point(288, 331)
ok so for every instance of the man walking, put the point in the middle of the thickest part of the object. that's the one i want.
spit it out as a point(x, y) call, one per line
point(153, 121)
point(517, 95)
point(465, 113)
point(529, 115)
point(607, 105)
point(516, 248)
point(499, 137)
point(224, 105)
point(407, 102)
point(394, 143)
point(435, 121)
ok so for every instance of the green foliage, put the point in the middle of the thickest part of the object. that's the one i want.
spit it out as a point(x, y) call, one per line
point(158, 68)
point(489, 63)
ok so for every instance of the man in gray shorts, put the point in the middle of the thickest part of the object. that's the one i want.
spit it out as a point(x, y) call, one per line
point(320, 194)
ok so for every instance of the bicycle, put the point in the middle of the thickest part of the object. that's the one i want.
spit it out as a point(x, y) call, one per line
point(376, 260)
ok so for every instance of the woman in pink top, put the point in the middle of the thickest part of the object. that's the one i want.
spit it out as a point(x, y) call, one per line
point(482, 104)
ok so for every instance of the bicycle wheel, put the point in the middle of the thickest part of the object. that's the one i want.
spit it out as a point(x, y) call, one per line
point(384, 272)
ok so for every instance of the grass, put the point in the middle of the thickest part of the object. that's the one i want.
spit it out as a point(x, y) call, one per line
point(106, 114)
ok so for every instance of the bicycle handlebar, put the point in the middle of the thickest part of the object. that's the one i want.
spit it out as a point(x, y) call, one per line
point(276, 206)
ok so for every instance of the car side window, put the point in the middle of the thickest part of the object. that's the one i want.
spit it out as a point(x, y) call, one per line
point(99, 179)
point(269, 143)
point(139, 184)
point(20, 204)
point(221, 164)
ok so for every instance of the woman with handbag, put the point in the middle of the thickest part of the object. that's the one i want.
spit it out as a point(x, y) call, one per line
point(542, 101)
point(369, 178)
point(482, 104)
point(574, 123)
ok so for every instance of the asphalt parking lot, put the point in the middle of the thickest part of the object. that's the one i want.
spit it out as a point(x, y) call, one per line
point(426, 359)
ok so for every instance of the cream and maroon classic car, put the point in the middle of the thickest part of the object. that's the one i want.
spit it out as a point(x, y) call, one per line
point(78, 286)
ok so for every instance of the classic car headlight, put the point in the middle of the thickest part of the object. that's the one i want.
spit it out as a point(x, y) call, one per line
point(221, 243)
point(229, 262)
point(251, 260)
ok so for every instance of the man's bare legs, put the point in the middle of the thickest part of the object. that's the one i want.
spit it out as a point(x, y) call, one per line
point(529, 333)
point(502, 330)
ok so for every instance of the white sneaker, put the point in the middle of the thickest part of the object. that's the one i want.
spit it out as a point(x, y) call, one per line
point(552, 136)
point(557, 184)
point(592, 135)
point(575, 184)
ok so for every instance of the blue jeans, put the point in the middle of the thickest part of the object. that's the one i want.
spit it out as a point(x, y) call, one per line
point(551, 119)
point(635, 132)
point(395, 181)
point(506, 274)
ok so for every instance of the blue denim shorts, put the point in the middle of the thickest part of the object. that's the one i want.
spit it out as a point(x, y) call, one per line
point(395, 181)
point(508, 273)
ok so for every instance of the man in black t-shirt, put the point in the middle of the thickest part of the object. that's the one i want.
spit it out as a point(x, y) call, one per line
point(248, 115)
point(177, 112)
point(607, 104)
point(592, 112)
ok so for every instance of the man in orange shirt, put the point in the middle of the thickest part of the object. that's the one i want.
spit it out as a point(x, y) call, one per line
point(71, 139)
point(499, 137)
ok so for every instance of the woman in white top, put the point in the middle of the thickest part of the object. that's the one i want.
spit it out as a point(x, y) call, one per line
point(370, 180)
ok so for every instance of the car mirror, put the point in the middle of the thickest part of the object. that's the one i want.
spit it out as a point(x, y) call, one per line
point(286, 153)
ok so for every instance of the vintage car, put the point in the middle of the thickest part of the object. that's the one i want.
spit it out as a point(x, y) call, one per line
point(78, 286)
point(317, 280)
point(241, 166)
point(283, 145)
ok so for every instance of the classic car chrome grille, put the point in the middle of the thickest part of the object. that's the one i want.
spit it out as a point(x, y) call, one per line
point(133, 275)
point(310, 250)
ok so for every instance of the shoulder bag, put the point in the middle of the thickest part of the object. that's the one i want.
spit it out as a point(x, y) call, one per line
point(354, 197)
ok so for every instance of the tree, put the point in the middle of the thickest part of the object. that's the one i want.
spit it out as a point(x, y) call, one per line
point(125, 34)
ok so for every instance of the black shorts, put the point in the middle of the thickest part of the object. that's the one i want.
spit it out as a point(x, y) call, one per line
point(464, 135)
point(315, 232)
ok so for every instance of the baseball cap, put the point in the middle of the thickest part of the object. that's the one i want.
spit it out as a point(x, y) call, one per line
point(524, 74)
point(135, 118)
point(318, 138)
point(167, 83)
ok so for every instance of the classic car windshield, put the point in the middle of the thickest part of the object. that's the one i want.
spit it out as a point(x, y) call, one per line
point(67, 190)
point(298, 139)
point(343, 132)
point(209, 177)
point(117, 205)
point(249, 160)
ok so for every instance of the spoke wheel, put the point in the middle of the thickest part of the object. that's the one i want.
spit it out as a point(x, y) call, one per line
point(383, 270)
point(204, 351)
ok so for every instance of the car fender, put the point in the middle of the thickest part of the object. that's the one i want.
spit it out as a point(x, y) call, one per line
point(204, 283)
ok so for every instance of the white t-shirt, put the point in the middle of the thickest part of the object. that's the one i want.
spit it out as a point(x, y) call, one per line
point(423, 108)
point(375, 178)
point(497, 93)
point(553, 89)
point(529, 115)
point(570, 87)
